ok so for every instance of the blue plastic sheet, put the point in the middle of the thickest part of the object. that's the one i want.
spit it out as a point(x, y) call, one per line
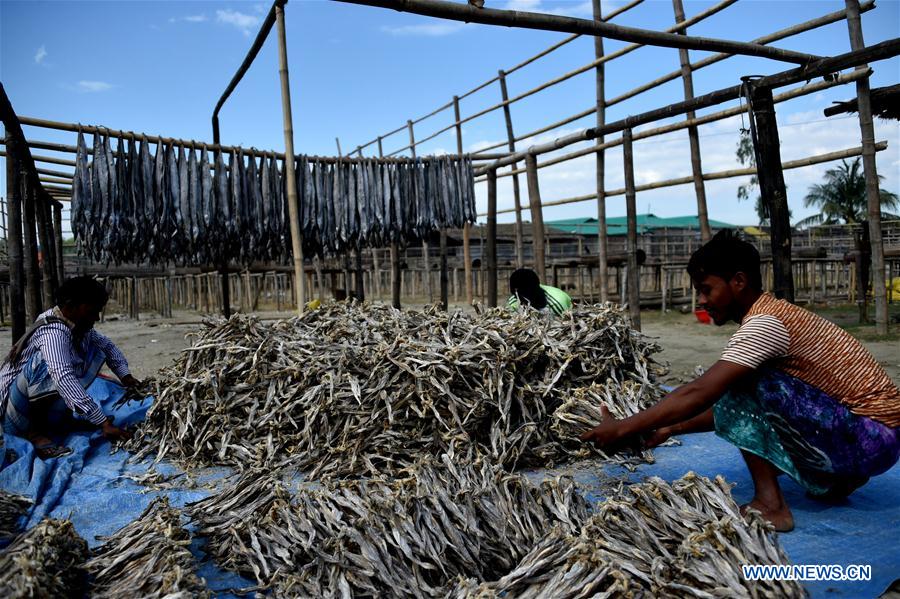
point(88, 487)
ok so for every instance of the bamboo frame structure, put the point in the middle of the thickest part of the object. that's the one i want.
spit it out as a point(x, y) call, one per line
point(528, 20)
point(600, 157)
point(520, 250)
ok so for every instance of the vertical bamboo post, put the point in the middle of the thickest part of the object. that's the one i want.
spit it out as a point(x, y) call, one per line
point(694, 138)
point(467, 227)
point(443, 276)
point(600, 159)
point(427, 272)
point(772, 189)
point(15, 242)
point(376, 269)
point(520, 251)
point(291, 184)
point(396, 277)
point(873, 200)
point(57, 233)
point(360, 288)
point(492, 238)
point(32, 273)
point(48, 247)
point(537, 215)
point(633, 273)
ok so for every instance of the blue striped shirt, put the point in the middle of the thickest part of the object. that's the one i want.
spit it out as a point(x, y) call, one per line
point(56, 344)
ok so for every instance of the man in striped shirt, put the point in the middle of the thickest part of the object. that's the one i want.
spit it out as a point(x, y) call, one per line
point(525, 287)
point(796, 393)
point(44, 377)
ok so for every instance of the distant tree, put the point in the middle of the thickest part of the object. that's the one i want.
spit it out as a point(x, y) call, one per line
point(842, 197)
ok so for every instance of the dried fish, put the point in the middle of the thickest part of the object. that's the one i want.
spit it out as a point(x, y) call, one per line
point(408, 535)
point(356, 389)
point(12, 508)
point(149, 557)
point(685, 539)
point(45, 561)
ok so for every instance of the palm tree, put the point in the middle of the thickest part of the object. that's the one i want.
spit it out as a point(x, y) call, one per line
point(842, 198)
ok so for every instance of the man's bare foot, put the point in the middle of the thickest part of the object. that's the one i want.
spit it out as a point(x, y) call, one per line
point(780, 516)
point(46, 449)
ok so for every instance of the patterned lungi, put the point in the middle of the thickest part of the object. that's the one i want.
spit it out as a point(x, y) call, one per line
point(805, 433)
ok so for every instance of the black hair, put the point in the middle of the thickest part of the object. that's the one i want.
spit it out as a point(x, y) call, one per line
point(725, 255)
point(525, 283)
point(81, 290)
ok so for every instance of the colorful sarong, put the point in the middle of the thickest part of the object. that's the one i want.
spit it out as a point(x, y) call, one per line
point(34, 384)
point(805, 433)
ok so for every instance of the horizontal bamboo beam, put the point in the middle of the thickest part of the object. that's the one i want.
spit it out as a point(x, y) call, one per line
point(55, 180)
point(53, 173)
point(47, 159)
point(729, 174)
point(187, 143)
point(695, 66)
point(529, 20)
point(824, 67)
point(706, 119)
point(481, 86)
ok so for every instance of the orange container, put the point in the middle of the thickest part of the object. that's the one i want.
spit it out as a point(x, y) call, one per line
point(702, 316)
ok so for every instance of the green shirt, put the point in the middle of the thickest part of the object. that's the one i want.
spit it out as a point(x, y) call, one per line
point(557, 300)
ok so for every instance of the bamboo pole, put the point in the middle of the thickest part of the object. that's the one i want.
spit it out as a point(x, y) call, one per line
point(712, 117)
point(520, 252)
point(693, 135)
point(873, 198)
point(826, 66)
point(633, 272)
point(778, 35)
point(57, 226)
point(425, 261)
point(15, 243)
point(467, 227)
point(291, 184)
point(528, 20)
point(47, 249)
point(32, 273)
point(771, 186)
point(396, 276)
point(731, 173)
point(600, 161)
point(537, 216)
point(492, 241)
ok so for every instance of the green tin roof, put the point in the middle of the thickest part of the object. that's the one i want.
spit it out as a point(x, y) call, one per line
point(618, 225)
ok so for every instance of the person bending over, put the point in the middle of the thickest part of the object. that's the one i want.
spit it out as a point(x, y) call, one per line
point(796, 393)
point(44, 377)
point(525, 286)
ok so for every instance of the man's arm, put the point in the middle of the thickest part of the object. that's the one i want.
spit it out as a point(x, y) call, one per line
point(704, 422)
point(682, 404)
point(115, 359)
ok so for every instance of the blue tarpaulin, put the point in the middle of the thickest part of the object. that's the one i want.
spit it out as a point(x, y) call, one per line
point(90, 487)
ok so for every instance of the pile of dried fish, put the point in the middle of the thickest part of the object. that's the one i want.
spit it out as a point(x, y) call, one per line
point(410, 535)
point(149, 557)
point(687, 539)
point(356, 389)
point(45, 561)
point(12, 508)
point(176, 206)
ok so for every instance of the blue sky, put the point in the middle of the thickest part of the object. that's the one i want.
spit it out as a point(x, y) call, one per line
point(356, 72)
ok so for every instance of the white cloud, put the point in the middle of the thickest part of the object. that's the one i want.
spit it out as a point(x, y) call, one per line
point(201, 18)
point(40, 55)
point(244, 22)
point(93, 86)
point(426, 30)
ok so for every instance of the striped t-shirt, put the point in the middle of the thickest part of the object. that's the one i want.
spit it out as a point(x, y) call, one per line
point(60, 350)
point(558, 301)
point(818, 352)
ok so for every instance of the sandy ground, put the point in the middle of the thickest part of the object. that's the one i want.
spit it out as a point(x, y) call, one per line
point(153, 343)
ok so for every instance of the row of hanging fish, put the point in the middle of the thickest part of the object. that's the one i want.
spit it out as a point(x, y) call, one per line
point(175, 206)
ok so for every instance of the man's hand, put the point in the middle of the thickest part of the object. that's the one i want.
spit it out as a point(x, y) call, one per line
point(130, 381)
point(114, 433)
point(658, 437)
point(608, 433)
